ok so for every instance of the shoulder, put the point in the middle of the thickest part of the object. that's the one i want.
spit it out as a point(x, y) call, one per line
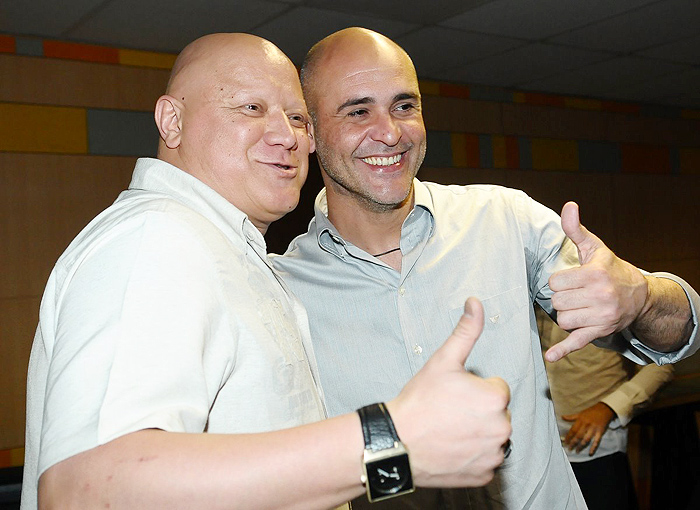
point(484, 200)
point(145, 225)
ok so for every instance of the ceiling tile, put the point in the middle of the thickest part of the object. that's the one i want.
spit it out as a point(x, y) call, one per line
point(523, 64)
point(659, 88)
point(409, 11)
point(537, 19)
point(46, 18)
point(147, 25)
point(684, 50)
point(300, 28)
point(428, 47)
point(649, 26)
point(610, 78)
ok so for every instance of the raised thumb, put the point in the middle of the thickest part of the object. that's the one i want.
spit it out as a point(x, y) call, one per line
point(585, 241)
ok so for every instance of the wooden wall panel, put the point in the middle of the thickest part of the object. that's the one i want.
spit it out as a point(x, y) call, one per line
point(552, 122)
point(457, 114)
point(18, 320)
point(45, 200)
point(76, 83)
point(657, 216)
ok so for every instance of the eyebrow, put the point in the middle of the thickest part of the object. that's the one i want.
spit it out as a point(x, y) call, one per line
point(355, 102)
point(370, 100)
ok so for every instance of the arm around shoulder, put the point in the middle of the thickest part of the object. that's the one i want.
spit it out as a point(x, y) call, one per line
point(313, 466)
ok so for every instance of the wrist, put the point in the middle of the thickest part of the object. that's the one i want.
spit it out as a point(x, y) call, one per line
point(386, 465)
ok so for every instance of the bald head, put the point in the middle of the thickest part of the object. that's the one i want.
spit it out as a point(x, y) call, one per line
point(345, 46)
point(212, 56)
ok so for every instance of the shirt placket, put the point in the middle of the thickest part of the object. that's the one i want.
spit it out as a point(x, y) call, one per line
point(414, 237)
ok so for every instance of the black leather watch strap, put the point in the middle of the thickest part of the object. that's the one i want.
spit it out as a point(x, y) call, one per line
point(377, 427)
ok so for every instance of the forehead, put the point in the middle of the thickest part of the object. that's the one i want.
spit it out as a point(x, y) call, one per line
point(374, 72)
point(263, 75)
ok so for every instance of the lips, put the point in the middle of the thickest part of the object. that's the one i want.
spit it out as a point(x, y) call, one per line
point(284, 167)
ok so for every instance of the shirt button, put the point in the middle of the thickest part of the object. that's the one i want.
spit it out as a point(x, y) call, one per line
point(402, 291)
point(417, 349)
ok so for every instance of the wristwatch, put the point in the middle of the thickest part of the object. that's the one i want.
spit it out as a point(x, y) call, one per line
point(387, 471)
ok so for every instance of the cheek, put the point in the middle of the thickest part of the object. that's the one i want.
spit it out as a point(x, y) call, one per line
point(415, 131)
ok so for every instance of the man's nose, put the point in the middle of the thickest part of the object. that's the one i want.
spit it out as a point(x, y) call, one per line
point(386, 130)
point(279, 131)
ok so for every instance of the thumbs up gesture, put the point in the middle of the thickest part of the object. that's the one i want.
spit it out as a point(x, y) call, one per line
point(454, 424)
point(602, 296)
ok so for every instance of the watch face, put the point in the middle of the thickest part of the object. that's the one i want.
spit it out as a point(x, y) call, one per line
point(389, 477)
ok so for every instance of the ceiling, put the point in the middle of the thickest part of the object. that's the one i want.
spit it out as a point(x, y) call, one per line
point(644, 51)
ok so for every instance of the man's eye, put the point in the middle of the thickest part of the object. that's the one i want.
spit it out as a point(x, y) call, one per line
point(357, 113)
point(252, 107)
point(297, 120)
point(405, 107)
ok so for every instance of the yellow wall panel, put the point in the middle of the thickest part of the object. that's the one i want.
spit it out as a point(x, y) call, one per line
point(500, 159)
point(32, 128)
point(548, 154)
point(431, 88)
point(147, 59)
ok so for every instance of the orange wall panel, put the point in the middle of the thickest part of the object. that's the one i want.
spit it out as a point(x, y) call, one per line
point(75, 51)
point(7, 44)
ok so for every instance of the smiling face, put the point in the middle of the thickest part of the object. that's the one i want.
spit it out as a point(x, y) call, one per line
point(366, 105)
point(243, 125)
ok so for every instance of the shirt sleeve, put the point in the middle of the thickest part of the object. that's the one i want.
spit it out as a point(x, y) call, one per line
point(632, 348)
point(133, 334)
point(636, 393)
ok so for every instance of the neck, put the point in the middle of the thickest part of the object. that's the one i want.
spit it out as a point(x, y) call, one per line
point(374, 231)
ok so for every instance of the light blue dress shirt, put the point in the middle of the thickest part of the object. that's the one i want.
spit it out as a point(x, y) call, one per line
point(373, 328)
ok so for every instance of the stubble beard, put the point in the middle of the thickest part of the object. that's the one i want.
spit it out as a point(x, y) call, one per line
point(363, 197)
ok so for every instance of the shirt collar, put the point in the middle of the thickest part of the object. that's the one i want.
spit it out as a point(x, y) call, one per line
point(155, 175)
point(330, 240)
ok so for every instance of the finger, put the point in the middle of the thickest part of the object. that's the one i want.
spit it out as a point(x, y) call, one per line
point(571, 436)
point(594, 444)
point(460, 343)
point(585, 440)
point(584, 240)
point(578, 339)
point(573, 441)
point(570, 417)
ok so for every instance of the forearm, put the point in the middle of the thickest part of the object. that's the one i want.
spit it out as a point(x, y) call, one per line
point(314, 466)
point(665, 322)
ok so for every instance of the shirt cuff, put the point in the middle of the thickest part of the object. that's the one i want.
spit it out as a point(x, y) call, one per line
point(662, 358)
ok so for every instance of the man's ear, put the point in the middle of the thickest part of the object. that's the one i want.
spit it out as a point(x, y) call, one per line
point(312, 139)
point(168, 116)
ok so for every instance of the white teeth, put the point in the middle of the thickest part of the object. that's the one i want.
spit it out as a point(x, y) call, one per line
point(383, 161)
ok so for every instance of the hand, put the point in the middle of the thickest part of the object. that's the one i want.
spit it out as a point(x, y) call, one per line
point(602, 296)
point(589, 426)
point(454, 423)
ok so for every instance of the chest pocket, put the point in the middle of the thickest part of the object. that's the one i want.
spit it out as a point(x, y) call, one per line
point(504, 347)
